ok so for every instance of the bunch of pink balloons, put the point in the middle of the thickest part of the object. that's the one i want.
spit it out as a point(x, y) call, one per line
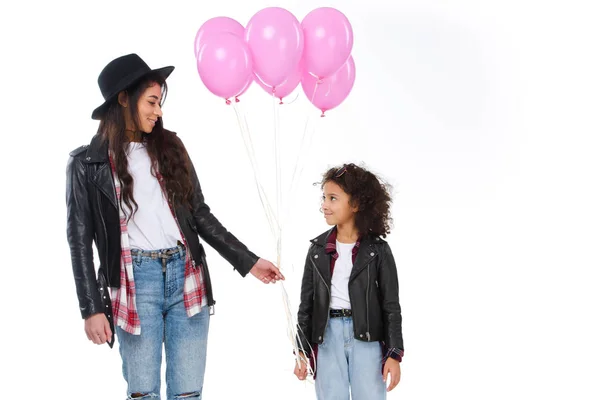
point(278, 52)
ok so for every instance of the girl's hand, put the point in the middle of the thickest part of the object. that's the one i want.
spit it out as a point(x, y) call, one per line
point(392, 368)
point(300, 370)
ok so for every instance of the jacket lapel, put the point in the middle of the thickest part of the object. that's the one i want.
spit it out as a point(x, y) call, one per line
point(103, 180)
point(322, 262)
point(366, 253)
point(97, 153)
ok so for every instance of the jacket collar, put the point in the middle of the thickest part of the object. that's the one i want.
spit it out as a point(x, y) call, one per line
point(323, 238)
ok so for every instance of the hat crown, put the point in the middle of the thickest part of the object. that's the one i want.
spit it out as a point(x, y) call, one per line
point(119, 72)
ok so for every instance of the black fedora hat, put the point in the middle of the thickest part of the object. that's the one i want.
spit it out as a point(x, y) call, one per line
point(120, 74)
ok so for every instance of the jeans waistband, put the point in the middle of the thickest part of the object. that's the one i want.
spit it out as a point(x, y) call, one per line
point(162, 253)
point(340, 313)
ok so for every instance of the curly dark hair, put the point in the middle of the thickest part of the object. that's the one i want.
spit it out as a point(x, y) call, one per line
point(368, 193)
point(165, 149)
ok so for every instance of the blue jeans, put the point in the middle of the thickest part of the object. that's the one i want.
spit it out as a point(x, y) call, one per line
point(159, 300)
point(346, 365)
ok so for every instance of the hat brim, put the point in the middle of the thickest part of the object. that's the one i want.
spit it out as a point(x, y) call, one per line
point(164, 72)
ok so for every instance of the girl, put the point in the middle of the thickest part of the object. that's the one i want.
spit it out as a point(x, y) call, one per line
point(349, 318)
point(134, 192)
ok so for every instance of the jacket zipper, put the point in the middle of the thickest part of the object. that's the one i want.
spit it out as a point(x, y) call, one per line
point(103, 225)
point(328, 291)
point(368, 333)
point(367, 299)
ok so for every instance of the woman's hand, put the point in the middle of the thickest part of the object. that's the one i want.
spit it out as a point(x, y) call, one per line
point(97, 328)
point(265, 271)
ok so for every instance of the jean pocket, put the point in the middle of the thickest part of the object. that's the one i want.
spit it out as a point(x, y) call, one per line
point(136, 262)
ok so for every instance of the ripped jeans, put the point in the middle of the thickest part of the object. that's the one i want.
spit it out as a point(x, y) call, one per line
point(159, 300)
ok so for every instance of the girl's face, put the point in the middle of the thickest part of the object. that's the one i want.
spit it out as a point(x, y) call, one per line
point(148, 107)
point(336, 205)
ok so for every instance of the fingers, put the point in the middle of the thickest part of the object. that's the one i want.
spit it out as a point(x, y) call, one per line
point(277, 275)
point(298, 372)
point(93, 335)
point(302, 372)
point(300, 369)
point(395, 379)
point(107, 331)
point(97, 335)
point(97, 328)
point(268, 277)
point(101, 336)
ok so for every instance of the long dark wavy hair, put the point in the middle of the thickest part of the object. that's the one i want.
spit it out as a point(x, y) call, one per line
point(166, 151)
point(368, 193)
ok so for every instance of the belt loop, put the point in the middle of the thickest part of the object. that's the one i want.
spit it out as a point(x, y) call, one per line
point(180, 247)
point(138, 256)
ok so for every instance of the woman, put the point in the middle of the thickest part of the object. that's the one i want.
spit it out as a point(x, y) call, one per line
point(134, 192)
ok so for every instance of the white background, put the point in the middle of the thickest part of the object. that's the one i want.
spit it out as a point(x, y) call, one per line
point(483, 115)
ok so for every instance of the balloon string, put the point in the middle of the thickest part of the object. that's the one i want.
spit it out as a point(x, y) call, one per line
point(290, 102)
point(277, 176)
point(304, 149)
point(252, 157)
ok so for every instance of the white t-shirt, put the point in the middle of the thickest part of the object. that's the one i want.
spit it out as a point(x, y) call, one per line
point(340, 298)
point(152, 226)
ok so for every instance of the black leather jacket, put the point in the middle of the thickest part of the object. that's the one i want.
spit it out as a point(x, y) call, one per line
point(92, 216)
point(373, 289)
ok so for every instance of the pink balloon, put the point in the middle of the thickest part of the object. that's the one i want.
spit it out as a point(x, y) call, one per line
point(224, 65)
point(331, 91)
point(276, 41)
point(328, 41)
point(215, 26)
point(286, 87)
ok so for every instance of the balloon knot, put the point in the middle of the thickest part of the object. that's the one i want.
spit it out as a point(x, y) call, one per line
point(227, 101)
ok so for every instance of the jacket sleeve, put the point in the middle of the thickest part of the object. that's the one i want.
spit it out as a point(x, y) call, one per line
point(215, 234)
point(80, 234)
point(305, 310)
point(392, 316)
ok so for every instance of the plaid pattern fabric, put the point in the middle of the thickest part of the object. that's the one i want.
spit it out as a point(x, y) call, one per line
point(331, 249)
point(123, 303)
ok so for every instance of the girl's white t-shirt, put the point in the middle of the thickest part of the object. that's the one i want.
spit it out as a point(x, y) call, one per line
point(340, 298)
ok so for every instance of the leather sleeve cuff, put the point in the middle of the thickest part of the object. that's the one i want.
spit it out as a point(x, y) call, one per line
point(90, 308)
point(396, 354)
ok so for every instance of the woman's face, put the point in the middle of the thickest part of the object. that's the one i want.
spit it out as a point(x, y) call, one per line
point(148, 107)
